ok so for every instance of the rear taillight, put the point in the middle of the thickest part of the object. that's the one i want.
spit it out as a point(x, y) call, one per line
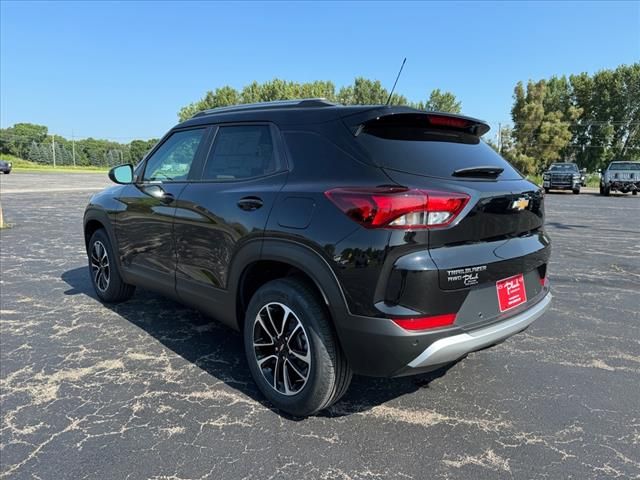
point(398, 207)
point(425, 323)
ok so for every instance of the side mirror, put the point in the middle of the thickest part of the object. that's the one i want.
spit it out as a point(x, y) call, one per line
point(122, 174)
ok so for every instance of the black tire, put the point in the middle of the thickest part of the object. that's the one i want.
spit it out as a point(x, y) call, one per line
point(115, 290)
point(576, 191)
point(328, 375)
point(601, 190)
point(606, 191)
point(635, 192)
point(546, 190)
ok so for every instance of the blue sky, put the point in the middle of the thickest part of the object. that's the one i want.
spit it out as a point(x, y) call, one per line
point(123, 70)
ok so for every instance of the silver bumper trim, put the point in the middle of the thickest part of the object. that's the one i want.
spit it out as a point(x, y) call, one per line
point(452, 348)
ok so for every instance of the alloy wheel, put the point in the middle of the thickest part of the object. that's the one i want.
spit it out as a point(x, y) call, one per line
point(100, 269)
point(281, 348)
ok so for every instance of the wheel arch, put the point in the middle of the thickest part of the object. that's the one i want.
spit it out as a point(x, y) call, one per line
point(277, 258)
point(95, 219)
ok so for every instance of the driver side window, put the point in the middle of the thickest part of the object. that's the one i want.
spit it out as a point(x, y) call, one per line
point(172, 160)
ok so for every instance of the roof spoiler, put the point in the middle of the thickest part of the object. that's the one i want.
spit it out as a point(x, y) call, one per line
point(412, 118)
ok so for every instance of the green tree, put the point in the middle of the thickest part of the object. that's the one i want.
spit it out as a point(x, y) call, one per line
point(442, 102)
point(17, 140)
point(541, 135)
point(32, 142)
point(368, 92)
point(362, 92)
point(35, 154)
point(609, 126)
point(222, 97)
point(139, 148)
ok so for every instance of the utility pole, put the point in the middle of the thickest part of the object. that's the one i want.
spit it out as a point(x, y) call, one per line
point(53, 149)
point(500, 138)
point(73, 148)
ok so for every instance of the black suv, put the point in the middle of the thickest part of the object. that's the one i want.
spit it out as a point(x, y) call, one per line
point(563, 176)
point(375, 240)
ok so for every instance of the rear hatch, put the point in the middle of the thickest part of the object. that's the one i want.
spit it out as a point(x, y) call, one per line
point(445, 152)
point(498, 234)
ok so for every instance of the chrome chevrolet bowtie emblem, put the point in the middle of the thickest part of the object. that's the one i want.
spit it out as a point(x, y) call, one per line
point(520, 204)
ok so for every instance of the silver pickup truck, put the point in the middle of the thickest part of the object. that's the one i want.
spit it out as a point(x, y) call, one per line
point(620, 177)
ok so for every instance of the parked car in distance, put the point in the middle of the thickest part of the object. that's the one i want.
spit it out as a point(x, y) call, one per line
point(621, 177)
point(563, 176)
point(5, 167)
point(377, 240)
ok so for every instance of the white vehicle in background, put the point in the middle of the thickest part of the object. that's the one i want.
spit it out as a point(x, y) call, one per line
point(621, 177)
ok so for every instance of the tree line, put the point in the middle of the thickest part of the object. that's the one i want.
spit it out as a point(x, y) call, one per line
point(362, 92)
point(34, 143)
point(588, 119)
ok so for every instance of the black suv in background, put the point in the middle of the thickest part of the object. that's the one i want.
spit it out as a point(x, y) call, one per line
point(563, 176)
point(5, 167)
point(378, 240)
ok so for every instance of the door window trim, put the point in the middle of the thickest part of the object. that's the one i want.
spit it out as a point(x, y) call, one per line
point(278, 151)
point(206, 138)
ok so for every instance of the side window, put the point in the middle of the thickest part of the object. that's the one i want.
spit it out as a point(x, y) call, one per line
point(173, 159)
point(241, 152)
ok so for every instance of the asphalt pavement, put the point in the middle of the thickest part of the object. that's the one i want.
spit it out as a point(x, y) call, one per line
point(152, 389)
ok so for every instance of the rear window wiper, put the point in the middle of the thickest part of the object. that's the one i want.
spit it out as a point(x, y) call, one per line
point(478, 172)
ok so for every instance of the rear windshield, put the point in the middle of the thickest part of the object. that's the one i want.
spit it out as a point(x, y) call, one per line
point(625, 166)
point(563, 167)
point(430, 152)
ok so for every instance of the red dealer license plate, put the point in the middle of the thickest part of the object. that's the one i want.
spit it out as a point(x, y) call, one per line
point(511, 292)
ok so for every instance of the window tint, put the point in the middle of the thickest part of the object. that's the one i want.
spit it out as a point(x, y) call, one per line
point(174, 157)
point(412, 143)
point(564, 167)
point(241, 152)
point(433, 154)
point(624, 166)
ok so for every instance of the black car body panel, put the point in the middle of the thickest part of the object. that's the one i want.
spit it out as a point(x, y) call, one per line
point(210, 242)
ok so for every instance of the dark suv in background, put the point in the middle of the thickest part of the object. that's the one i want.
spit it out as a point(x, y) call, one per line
point(5, 167)
point(563, 176)
point(378, 240)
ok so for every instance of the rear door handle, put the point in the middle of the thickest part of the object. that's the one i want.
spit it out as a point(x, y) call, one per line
point(250, 203)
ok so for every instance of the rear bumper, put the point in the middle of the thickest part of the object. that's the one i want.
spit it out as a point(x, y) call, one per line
point(378, 347)
point(427, 283)
point(623, 186)
point(452, 348)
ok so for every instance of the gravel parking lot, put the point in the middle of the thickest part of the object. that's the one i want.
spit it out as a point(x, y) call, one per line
point(151, 389)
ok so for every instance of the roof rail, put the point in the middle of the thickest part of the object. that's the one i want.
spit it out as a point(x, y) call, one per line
point(297, 103)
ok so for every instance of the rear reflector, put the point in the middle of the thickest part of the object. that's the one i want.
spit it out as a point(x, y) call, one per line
point(398, 207)
point(544, 281)
point(425, 323)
